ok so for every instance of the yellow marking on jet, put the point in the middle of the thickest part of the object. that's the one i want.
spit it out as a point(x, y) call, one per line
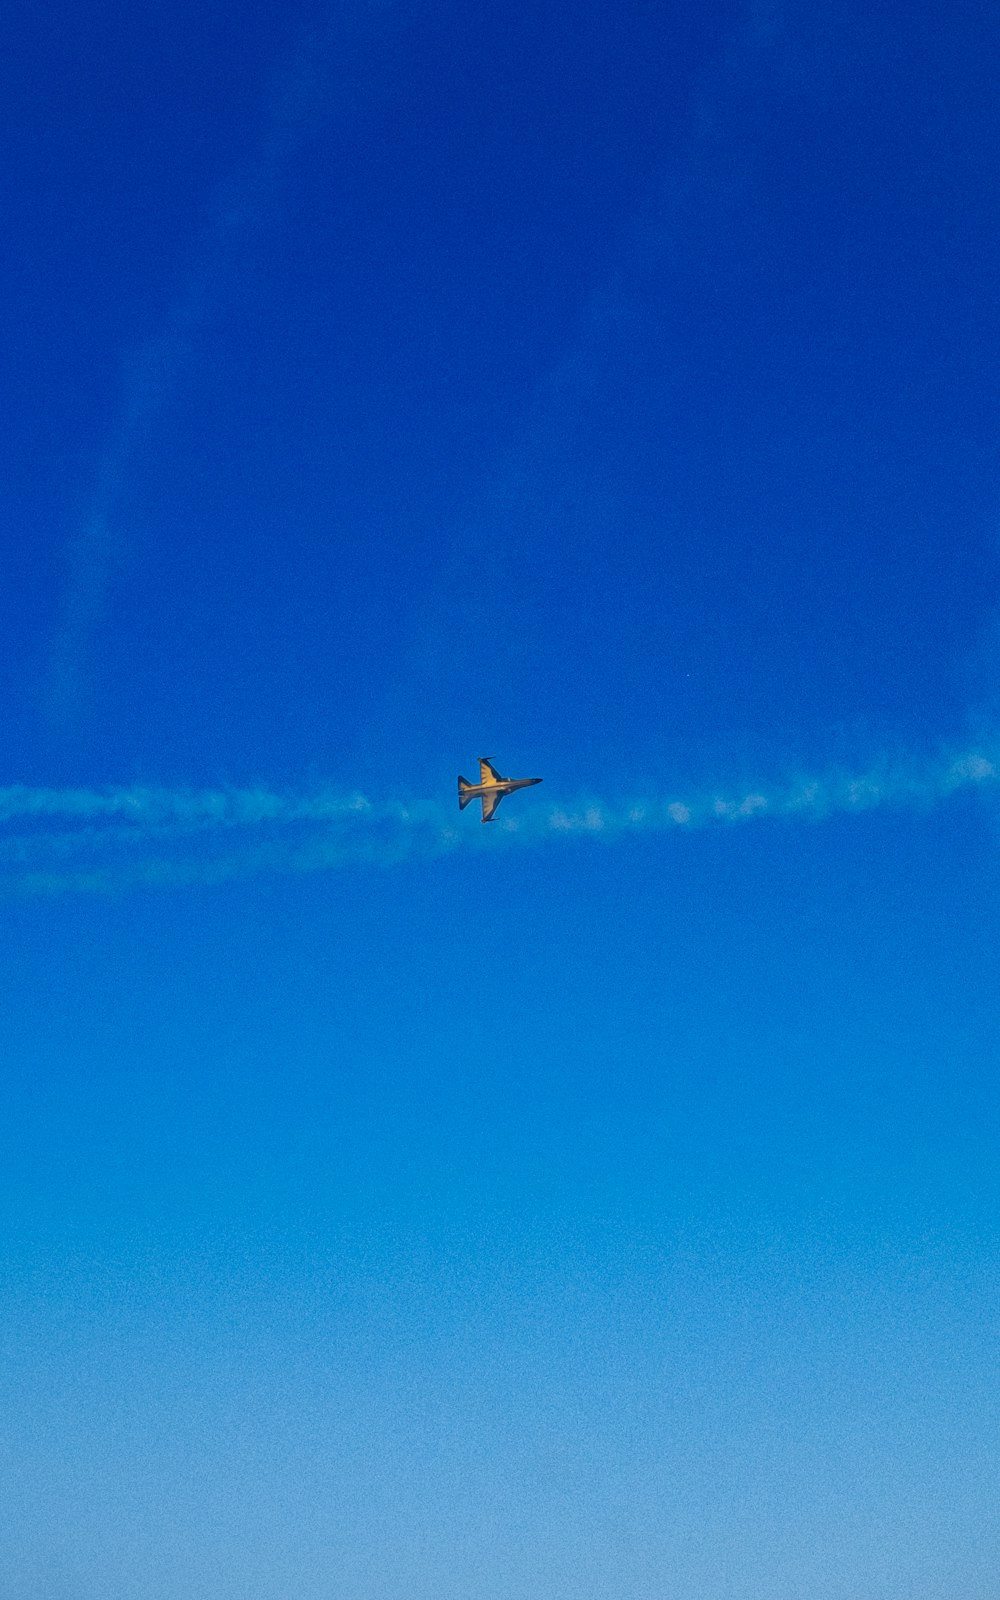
point(491, 788)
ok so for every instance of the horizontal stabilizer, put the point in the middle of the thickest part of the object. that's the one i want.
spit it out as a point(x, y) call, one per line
point(463, 793)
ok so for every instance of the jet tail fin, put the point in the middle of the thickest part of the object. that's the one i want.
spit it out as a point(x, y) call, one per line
point(463, 793)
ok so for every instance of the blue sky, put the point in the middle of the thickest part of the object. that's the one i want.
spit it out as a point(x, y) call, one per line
point(602, 1203)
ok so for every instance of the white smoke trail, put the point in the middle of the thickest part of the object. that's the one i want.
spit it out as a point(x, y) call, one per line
point(100, 840)
point(887, 784)
point(210, 807)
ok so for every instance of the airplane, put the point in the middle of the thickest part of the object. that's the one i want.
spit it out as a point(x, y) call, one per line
point(491, 788)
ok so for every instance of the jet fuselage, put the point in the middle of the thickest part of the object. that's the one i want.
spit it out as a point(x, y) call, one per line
point(491, 788)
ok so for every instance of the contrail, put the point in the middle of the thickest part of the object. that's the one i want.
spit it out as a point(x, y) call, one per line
point(102, 840)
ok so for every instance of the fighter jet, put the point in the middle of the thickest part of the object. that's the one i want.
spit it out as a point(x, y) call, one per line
point(491, 788)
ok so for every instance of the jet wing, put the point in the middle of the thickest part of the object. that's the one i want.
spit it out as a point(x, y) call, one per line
point(487, 773)
point(490, 803)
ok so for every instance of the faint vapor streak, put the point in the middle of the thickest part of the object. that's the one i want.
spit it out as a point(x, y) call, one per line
point(102, 841)
point(311, 85)
point(149, 379)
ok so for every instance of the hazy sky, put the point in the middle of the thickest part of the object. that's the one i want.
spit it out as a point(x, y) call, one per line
point(600, 1205)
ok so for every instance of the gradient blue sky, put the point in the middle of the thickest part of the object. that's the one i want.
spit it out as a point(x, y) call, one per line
point(601, 1206)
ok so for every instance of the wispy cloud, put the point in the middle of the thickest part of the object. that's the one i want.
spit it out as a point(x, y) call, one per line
point(99, 841)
